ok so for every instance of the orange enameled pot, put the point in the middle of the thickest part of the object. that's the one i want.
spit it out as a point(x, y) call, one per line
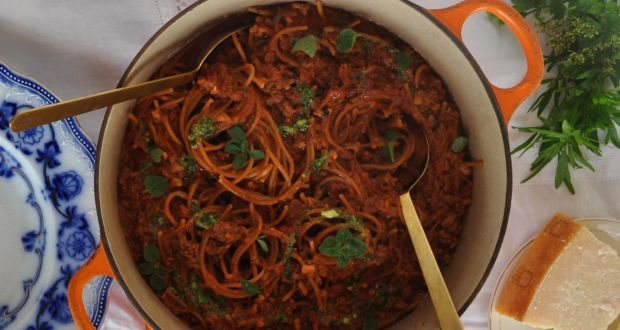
point(436, 35)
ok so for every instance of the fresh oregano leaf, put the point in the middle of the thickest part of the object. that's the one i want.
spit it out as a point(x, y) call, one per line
point(156, 154)
point(307, 44)
point(155, 185)
point(157, 283)
point(151, 253)
point(145, 268)
point(256, 154)
point(346, 40)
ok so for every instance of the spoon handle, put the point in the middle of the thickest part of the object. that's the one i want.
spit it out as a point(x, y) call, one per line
point(444, 307)
point(53, 112)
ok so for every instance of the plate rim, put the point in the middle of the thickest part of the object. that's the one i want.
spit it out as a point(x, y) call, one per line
point(87, 147)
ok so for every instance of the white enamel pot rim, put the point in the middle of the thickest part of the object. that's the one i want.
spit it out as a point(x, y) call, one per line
point(436, 36)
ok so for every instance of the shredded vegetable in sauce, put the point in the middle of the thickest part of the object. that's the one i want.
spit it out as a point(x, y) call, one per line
point(264, 194)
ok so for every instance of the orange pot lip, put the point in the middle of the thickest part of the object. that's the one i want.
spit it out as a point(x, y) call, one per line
point(487, 86)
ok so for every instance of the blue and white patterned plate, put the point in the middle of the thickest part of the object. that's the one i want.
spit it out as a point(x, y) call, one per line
point(48, 221)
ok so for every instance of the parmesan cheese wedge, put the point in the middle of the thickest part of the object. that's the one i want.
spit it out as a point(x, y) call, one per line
point(566, 280)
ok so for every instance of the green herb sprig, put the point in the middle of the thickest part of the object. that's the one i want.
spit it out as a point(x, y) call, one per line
point(240, 147)
point(152, 268)
point(579, 108)
point(343, 246)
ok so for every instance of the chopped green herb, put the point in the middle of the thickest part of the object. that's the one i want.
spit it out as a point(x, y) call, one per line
point(346, 40)
point(287, 130)
point(157, 220)
point(203, 299)
point(204, 128)
point(346, 320)
point(307, 44)
point(356, 223)
point(189, 164)
point(306, 94)
point(155, 185)
point(262, 244)
point(370, 322)
point(151, 253)
point(319, 163)
point(205, 220)
point(281, 317)
point(403, 62)
point(156, 154)
point(250, 288)
point(391, 137)
point(195, 206)
point(290, 245)
point(331, 213)
point(459, 144)
point(301, 125)
point(343, 246)
point(146, 268)
point(239, 146)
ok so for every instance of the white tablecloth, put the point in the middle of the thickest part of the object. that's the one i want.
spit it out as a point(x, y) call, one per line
point(78, 47)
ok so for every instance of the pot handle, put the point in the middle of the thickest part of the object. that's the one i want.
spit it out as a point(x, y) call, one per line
point(509, 98)
point(95, 266)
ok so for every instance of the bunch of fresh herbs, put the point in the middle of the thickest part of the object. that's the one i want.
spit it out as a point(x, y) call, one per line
point(578, 109)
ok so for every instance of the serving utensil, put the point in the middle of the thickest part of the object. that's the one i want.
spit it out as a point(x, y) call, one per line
point(444, 307)
point(47, 114)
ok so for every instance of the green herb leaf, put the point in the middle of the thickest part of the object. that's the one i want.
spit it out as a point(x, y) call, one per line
point(403, 62)
point(205, 220)
point(156, 154)
point(346, 40)
point(250, 288)
point(306, 94)
point(232, 148)
point(146, 268)
point(155, 185)
point(157, 220)
point(256, 154)
point(320, 162)
point(343, 246)
point(237, 134)
point(151, 253)
point(240, 161)
point(262, 244)
point(203, 129)
point(157, 283)
point(459, 144)
point(281, 317)
point(307, 44)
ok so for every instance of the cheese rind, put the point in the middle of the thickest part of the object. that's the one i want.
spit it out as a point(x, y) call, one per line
point(580, 288)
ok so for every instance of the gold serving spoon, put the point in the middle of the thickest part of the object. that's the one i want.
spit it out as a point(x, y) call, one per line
point(53, 112)
point(444, 307)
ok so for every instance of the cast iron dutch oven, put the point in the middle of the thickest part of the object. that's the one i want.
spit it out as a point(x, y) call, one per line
point(436, 35)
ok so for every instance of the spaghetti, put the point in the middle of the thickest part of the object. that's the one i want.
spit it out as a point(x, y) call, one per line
point(265, 195)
